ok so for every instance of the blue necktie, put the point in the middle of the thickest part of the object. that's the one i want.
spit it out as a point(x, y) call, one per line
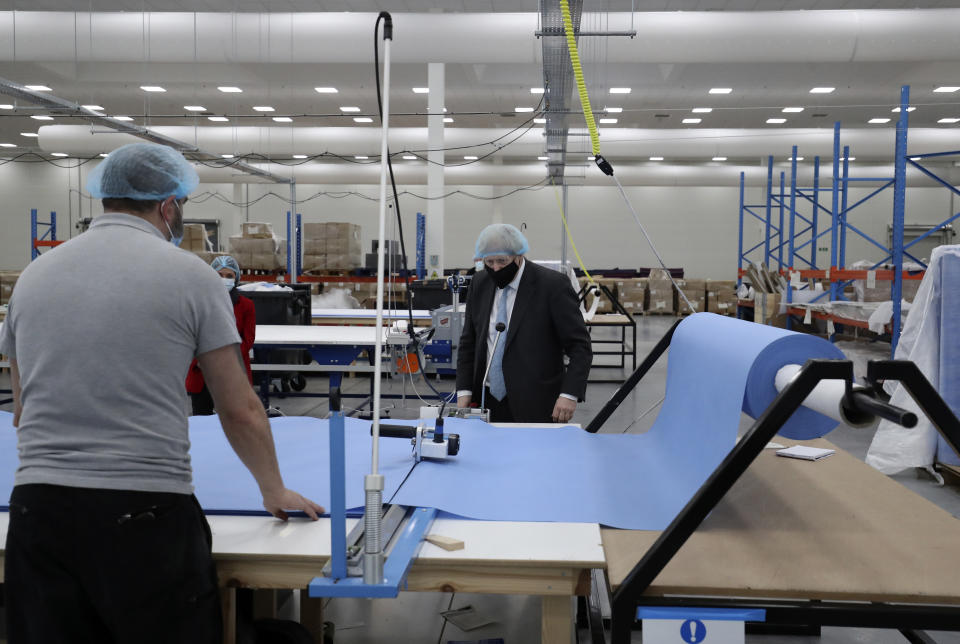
point(498, 388)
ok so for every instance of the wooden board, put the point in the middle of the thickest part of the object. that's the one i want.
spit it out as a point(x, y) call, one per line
point(830, 529)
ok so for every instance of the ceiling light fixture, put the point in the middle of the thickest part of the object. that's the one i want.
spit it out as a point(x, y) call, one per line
point(878, 121)
point(948, 120)
point(608, 121)
point(8, 145)
point(32, 135)
point(915, 158)
point(798, 159)
point(719, 159)
point(122, 118)
point(218, 119)
point(620, 90)
point(227, 156)
point(299, 156)
point(539, 121)
point(542, 158)
point(691, 121)
point(702, 110)
point(421, 90)
point(910, 108)
point(409, 157)
point(59, 154)
point(6, 106)
point(720, 90)
point(469, 157)
point(448, 119)
point(104, 155)
point(613, 110)
point(263, 108)
point(522, 110)
point(791, 110)
point(656, 158)
point(536, 90)
point(152, 88)
point(349, 108)
point(361, 157)
point(325, 90)
point(38, 88)
point(93, 108)
point(362, 119)
point(282, 119)
point(776, 121)
point(822, 90)
point(946, 89)
point(42, 117)
point(230, 89)
point(195, 108)
point(591, 158)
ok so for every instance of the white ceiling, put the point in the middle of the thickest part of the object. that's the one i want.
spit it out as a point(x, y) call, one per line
point(484, 94)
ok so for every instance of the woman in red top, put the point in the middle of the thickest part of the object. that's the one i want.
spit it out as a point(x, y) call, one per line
point(243, 310)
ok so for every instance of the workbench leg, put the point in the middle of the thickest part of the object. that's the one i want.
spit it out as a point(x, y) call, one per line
point(311, 615)
point(228, 605)
point(556, 619)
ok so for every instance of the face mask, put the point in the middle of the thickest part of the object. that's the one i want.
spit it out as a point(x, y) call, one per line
point(504, 276)
point(228, 282)
point(479, 266)
point(175, 239)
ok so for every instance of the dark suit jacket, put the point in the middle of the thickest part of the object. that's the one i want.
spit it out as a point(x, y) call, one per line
point(545, 325)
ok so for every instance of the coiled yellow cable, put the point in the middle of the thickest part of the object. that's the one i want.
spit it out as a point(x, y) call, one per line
point(578, 74)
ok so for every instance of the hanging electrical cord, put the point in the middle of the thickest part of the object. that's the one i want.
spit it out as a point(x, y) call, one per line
point(573, 244)
point(602, 163)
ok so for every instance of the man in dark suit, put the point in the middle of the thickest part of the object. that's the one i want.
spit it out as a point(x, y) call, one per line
point(528, 380)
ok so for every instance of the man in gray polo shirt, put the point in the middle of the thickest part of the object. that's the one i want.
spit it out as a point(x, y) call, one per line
point(106, 541)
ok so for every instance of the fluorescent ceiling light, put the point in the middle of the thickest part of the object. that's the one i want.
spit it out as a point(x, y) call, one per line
point(8, 145)
point(822, 90)
point(325, 90)
point(263, 108)
point(656, 158)
point(448, 119)
point(299, 156)
point(218, 119)
point(522, 109)
point(94, 108)
point(227, 156)
point(361, 157)
point(691, 121)
point(152, 88)
point(915, 158)
point(948, 120)
point(282, 119)
point(469, 157)
point(42, 117)
point(798, 159)
point(946, 89)
point(349, 108)
point(540, 121)
point(878, 121)
point(536, 90)
point(702, 110)
point(32, 135)
point(195, 108)
point(613, 110)
point(59, 154)
point(104, 155)
point(719, 159)
point(420, 90)
point(362, 119)
point(776, 121)
point(38, 88)
point(591, 158)
point(792, 110)
point(910, 108)
point(122, 118)
point(229, 89)
point(6, 106)
point(620, 90)
point(850, 159)
point(608, 121)
point(720, 90)
point(409, 157)
point(542, 158)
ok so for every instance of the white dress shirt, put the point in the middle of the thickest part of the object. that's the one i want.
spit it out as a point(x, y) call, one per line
point(492, 324)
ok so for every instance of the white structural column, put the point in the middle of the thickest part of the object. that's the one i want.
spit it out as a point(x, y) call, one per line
point(435, 178)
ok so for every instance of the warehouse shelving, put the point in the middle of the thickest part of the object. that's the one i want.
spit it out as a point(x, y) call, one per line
point(46, 239)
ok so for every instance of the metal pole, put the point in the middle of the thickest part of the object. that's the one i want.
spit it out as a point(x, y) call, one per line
point(835, 207)
point(816, 211)
point(899, 197)
point(766, 242)
point(740, 237)
point(373, 483)
point(292, 262)
point(843, 208)
point(780, 235)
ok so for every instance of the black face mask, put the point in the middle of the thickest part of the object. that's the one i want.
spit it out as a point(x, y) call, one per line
point(504, 276)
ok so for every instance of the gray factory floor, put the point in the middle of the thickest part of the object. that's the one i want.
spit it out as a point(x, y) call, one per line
point(415, 617)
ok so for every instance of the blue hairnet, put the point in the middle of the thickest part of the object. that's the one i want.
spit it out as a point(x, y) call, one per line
point(500, 239)
point(225, 261)
point(143, 171)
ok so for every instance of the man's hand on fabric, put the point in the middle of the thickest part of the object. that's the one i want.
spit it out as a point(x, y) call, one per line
point(563, 410)
point(464, 401)
point(278, 503)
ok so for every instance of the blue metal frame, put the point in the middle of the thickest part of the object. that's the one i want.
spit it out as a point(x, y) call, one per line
point(49, 234)
point(398, 563)
point(421, 246)
point(299, 245)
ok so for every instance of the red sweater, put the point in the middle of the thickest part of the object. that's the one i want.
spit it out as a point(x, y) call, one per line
point(244, 311)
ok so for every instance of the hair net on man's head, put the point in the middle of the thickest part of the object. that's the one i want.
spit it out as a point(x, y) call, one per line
point(143, 171)
point(225, 261)
point(500, 239)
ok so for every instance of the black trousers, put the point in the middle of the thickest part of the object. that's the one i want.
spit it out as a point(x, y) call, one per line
point(202, 403)
point(499, 409)
point(91, 566)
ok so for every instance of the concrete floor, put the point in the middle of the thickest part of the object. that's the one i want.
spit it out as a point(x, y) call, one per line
point(415, 617)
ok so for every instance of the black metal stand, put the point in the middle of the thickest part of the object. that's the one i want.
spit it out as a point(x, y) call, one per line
point(619, 308)
point(626, 599)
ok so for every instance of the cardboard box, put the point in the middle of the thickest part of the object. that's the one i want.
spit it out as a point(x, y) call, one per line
point(313, 262)
point(7, 281)
point(314, 247)
point(341, 230)
point(343, 246)
point(766, 309)
point(632, 293)
point(695, 290)
point(254, 230)
point(314, 230)
point(722, 297)
point(342, 262)
point(660, 292)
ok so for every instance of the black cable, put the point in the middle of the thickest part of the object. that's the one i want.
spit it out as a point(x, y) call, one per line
point(444, 628)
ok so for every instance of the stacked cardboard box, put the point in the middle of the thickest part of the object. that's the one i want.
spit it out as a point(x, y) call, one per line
point(194, 238)
point(696, 291)
point(660, 292)
point(722, 297)
point(7, 280)
point(258, 248)
point(256, 230)
point(331, 246)
point(632, 294)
